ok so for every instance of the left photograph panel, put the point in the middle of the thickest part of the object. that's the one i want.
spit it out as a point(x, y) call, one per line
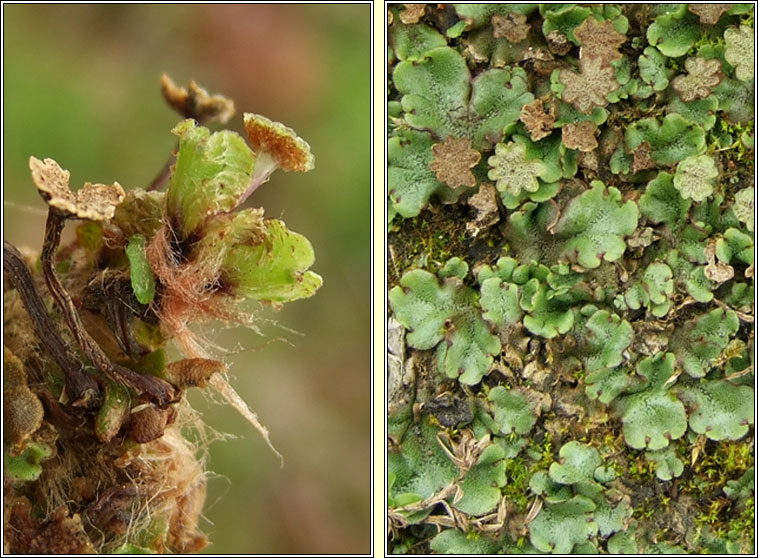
point(187, 272)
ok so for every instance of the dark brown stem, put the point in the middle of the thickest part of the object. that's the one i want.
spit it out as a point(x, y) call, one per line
point(81, 388)
point(163, 174)
point(54, 413)
point(161, 392)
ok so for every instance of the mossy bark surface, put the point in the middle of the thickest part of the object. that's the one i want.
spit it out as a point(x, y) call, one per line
point(617, 413)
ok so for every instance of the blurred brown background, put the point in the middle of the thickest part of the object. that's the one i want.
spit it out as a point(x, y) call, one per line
point(82, 86)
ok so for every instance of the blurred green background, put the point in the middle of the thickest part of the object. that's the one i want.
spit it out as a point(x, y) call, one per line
point(81, 85)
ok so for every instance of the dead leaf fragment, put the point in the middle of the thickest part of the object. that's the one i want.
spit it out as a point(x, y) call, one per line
point(96, 202)
point(543, 61)
point(453, 160)
point(580, 136)
point(195, 102)
point(510, 26)
point(61, 533)
point(717, 271)
point(599, 40)
point(589, 88)
point(538, 119)
point(558, 43)
point(412, 13)
point(703, 74)
point(589, 160)
point(641, 238)
point(709, 13)
point(485, 203)
point(641, 158)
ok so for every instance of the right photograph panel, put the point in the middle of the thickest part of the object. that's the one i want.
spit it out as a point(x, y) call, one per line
point(570, 273)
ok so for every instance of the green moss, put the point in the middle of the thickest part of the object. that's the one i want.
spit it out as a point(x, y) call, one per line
point(517, 485)
point(427, 240)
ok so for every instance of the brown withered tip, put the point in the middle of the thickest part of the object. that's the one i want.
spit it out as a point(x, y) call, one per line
point(191, 372)
point(290, 152)
point(195, 102)
point(96, 202)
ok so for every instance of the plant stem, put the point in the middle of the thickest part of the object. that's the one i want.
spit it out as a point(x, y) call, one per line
point(160, 391)
point(163, 174)
point(82, 389)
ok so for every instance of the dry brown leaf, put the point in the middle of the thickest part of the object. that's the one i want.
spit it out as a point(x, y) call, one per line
point(485, 203)
point(709, 13)
point(717, 271)
point(558, 43)
point(510, 26)
point(195, 102)
point(641, 158)
point(588, 88)
point(703, 74)
point(412, 13)
point(580, 136)
point(537, 119)
point(96, 202)
point(453, 160)
point(599, 40)
point(641, 238)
